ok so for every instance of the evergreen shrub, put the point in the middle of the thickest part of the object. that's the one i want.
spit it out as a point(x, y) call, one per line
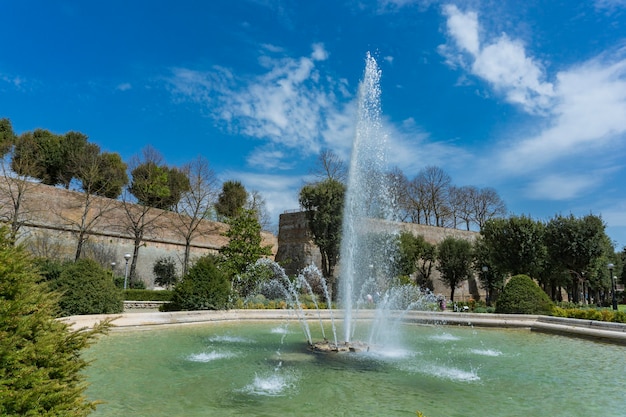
point(87, 288)
point(205, 287)
point(40, 361)
point(522, 295)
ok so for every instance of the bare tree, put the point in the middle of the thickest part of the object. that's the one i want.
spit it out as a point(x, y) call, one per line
point(330, 166)
point(14, 194)
point(487, 205)
point(431, 188)
point(399, 192)
point(462, 204)
point(196, 204)
point(256, 202)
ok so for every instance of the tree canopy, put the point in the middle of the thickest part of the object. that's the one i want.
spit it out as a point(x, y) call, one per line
point(231, 200)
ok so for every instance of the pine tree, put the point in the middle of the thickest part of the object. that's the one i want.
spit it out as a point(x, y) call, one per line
point(40, 361)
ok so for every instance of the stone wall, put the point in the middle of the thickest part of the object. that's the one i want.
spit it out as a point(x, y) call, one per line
point(297, 250)
point(50, 216)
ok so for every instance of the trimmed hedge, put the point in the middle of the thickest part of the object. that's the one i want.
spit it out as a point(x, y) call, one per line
point(147, 295)
point(522, 295)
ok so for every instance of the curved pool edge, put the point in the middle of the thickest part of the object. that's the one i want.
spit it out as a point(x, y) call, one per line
point(594, 330)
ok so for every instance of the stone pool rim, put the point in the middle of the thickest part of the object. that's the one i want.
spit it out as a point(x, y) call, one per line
point(588, 329)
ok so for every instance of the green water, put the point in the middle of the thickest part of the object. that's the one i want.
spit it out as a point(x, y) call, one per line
point(261, 369)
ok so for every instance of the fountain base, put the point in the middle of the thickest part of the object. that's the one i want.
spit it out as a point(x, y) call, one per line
point(343, 347)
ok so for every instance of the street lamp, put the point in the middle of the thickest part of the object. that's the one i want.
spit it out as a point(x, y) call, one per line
point(127, 257)
point(113, 270)
point(614, 299)
point(485, 269)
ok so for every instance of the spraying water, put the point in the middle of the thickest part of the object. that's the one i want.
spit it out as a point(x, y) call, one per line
point(365, 249)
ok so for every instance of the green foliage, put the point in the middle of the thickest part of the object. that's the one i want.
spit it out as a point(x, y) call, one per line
point(205, 287)
point(164, 270)
point(157, 185)
point(323, 204)
point(455, 262)
point(590, 314)
point(515, 244)
point(416, 256)
point(147, 295)
point(244, 242)
point(7, 136)
point(522, 295)
point(231, 200)
point(87, 288)
point(254, 276)
point(40, 362)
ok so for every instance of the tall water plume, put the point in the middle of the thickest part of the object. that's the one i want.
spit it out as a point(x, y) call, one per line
point(366, 250)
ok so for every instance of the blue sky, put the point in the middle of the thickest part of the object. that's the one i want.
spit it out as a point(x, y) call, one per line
point(526, 97)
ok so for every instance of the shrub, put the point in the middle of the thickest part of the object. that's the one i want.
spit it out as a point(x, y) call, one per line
point(205, 287)
point(522, 295)
point(147, 295)
point(87, 288)
point(40, 361)
point(164, 270)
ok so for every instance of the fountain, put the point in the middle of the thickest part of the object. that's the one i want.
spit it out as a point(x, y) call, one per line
point(235, 367)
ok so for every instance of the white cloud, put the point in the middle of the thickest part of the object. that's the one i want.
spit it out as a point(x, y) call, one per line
point(286, 106)
point(502, 62)
point(561, 186)
point(582, 113)
point(124, 87)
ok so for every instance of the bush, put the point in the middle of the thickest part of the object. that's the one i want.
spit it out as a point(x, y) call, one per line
point(41, 366)
point(147, 295)
point(165, 272)
point(205, 287)
point(87, 288)
point(522, 295)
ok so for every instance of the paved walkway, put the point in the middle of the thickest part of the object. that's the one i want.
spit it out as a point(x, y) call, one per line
point(596, 330)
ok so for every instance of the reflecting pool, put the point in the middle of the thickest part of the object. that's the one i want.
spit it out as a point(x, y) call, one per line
point(265, 369)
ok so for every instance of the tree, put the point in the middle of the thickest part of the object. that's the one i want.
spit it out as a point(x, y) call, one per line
point(575, 245)
point(7, 137)
point(454, 258)
point(323, 204)
point(244, 244)
point(196, 203)
point(164, 270)
point(516, 244)
point(490, 277)
point(231, 200)
point(486, 204)
point(154, 186)
point(99, 175)
point(433, 184)
point(416, 257)
point(330, 167)
point(41, 366)
point(205, 287)
point(14, 193)
point(47, 157)
point(256, 202)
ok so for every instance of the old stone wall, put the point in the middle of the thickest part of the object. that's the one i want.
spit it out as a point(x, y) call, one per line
point(297, 250)
point(50, 216)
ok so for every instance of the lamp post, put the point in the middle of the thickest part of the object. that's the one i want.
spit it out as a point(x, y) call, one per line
point(113, 270)
point(613, 298)
point(126, 257)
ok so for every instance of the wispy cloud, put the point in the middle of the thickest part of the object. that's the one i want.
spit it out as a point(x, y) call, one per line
point(287, 105)
point(581, 112)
